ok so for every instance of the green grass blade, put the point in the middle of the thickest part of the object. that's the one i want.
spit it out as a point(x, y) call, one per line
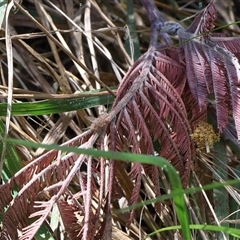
point(231, 231)
point(132, 42)
point(55, 105)
point(174, 193)
point(173, 176)
point(12, 162)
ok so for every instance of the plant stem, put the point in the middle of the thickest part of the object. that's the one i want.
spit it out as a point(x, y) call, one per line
point(153, 14)
point(156, 20)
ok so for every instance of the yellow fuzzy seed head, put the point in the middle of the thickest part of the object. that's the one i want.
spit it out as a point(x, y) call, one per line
point(204, 137)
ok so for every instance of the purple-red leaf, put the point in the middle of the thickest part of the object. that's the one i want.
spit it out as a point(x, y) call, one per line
point(212, 65)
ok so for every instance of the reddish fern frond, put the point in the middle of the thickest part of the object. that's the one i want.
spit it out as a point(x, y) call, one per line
point(232, 44)
point(211, 65)
point(203, 23)
point(136, 174)
point(45, 207)
point(170, 67)
point(220, 89)
point(154, 113)
point(195, 114)
point(22, 177)
point(197, 72)
point(41, 179)
point(72, 219)
point(225, 76)
point(72, 214)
